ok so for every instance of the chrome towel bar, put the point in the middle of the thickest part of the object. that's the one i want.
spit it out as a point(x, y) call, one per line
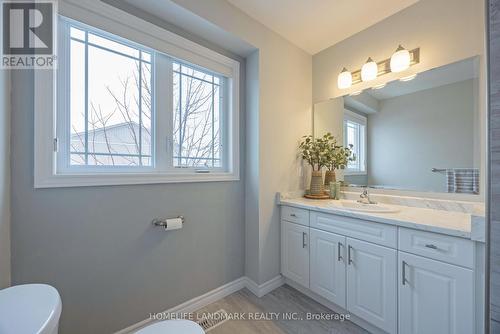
point(438, 170)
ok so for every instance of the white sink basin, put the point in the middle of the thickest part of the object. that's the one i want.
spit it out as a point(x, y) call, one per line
point(374, 208)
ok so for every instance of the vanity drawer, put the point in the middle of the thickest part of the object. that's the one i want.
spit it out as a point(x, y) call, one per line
point(437, 246)
point(382, 234)
point(295, 215)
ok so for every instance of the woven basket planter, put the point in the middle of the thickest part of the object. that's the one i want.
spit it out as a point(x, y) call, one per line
point(317, 187)
point(329, 177)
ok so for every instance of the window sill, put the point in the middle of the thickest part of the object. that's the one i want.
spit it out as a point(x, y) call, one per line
point(346, 173)
point(89, 180)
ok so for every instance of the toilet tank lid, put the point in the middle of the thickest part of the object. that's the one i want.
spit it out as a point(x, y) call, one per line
point(29, 308)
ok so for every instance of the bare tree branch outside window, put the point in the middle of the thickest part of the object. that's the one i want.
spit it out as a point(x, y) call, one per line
point(196, 130)
point(118, 124)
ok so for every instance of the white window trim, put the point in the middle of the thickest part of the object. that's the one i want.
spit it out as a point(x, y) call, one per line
point(105, 17)
point(354, 117)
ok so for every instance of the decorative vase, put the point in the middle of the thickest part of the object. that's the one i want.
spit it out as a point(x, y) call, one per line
point(329, 177)
point(338, 186)
point(317, 187)
point(333, 189)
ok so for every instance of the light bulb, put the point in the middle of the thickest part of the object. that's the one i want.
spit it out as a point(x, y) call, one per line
point(369, 70)
point(344, 79)
point(400, 60)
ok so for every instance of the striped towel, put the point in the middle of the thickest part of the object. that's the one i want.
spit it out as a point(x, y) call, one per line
point(462, 180)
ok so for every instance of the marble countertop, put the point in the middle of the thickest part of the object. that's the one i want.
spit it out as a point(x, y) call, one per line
point(452, 223)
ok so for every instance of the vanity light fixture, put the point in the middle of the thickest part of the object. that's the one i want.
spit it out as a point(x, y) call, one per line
point(408, 78)
point(400, 60)
point(369, 70)
point(344, 79)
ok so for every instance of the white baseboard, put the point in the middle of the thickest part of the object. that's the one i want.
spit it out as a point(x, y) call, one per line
point(265, 288)
point(213, 296)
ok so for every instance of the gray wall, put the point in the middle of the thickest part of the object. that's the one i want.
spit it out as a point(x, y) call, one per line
point(494, 149)
point(285, 97)
point(96, 245)
point(413, 133)
point(252, 169)
point(4, 179)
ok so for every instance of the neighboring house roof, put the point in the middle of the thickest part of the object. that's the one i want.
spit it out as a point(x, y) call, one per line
point(119, 138)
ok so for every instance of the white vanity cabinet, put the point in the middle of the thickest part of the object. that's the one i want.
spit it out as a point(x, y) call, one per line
point(295, 252)
point(392, 279)
point(371, 283)
point(434, 297)
point(328, 266)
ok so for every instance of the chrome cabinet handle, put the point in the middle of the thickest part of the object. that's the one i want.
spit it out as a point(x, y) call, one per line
point(339, 257)
point(431, 246)
point(349, 259)
point(404, 273)
point(304, 235)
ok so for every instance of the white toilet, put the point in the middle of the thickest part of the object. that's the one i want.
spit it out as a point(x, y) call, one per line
point(172, 327)
point(36, 309)
point(30, 309)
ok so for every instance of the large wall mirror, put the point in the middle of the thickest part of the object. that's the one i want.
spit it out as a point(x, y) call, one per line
point(420, 135)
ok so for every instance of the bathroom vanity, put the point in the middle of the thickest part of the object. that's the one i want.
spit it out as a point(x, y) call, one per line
point(414, 263)
point(394, 268)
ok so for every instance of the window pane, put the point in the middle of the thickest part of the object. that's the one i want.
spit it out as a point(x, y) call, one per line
point(146, 56)
point(146, 113)
point(114, 46)
point(217, 162)
point(197, 128)
point(190, 71)
point(77, 33)
point(77, 102)
point(110, 106)
point(353, 138)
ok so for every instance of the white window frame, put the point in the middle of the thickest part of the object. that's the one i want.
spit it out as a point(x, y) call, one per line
point(62, 115)
point(111, 20)
point(362, 120)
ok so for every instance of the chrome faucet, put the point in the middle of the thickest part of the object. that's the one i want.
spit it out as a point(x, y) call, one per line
point(364, 198)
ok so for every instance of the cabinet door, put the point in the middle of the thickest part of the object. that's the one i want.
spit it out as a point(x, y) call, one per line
point(327, 262)
point(295, 252)
point(371, 283)
point(434, 297)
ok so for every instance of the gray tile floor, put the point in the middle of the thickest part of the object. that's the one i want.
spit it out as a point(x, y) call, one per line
point(284, 300)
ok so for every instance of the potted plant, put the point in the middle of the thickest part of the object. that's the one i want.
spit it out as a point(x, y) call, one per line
point(343, 155)
point(330, 157)
point(337, 157)
point(315, 152)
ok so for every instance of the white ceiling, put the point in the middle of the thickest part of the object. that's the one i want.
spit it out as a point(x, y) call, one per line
point(314, 25)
